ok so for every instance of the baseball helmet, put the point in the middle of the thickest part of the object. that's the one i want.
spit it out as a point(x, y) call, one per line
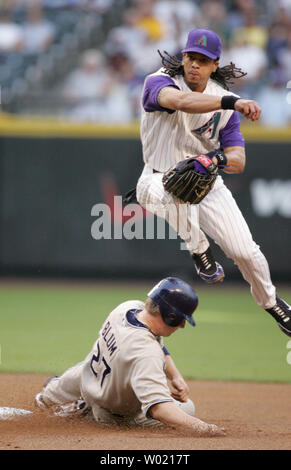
point(176, 299)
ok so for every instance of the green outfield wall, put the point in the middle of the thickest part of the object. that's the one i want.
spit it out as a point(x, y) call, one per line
point(60, 187)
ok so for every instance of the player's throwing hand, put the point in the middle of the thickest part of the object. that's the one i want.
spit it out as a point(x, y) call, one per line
point(249, 108)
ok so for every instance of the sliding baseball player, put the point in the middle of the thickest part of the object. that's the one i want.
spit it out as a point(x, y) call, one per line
point(123, 380)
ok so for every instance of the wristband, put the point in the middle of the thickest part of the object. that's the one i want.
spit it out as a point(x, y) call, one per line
point(221, 158)
point(228, 101)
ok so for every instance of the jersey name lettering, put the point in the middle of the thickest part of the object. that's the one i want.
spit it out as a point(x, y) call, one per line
point(109, 338)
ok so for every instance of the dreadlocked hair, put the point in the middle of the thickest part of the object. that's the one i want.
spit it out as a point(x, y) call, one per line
point(172, 64)
point(223, 75)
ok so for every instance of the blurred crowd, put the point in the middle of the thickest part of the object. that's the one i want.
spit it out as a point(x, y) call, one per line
point(106, 84)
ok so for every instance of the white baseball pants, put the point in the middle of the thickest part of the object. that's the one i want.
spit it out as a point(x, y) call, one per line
point(219, 217)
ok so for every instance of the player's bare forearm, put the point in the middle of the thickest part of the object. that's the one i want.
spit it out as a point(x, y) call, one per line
point(199, 103)
point(180, 390)
point(170, 414)
point(188, 102)
point(236, 159)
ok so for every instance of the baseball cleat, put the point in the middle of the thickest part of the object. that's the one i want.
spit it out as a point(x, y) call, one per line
point(38, 401)
point(207, 268)
point(281, 312)
point(77, 408)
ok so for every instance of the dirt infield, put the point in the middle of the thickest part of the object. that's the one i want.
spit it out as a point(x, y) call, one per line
point(255, 416)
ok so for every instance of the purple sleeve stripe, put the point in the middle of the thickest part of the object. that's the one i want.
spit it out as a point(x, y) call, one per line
point(151, 90)
point(230, 135)
point(166, 352)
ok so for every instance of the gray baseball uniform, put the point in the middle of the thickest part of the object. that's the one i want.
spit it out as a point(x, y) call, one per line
point(123, 376)
point(170, 136)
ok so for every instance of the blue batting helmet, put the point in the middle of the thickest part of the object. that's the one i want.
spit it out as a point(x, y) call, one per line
point(176, 299)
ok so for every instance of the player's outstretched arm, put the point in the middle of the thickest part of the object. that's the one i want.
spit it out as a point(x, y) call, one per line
point(180, 390)
point(199, 103)
point(170, 414)
point(188, 102)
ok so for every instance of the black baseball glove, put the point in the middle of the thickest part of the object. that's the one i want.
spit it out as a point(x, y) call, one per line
point(191, 180)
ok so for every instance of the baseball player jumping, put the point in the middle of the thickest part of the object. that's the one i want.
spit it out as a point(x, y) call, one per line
point(124, 378)
point(187, 110)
